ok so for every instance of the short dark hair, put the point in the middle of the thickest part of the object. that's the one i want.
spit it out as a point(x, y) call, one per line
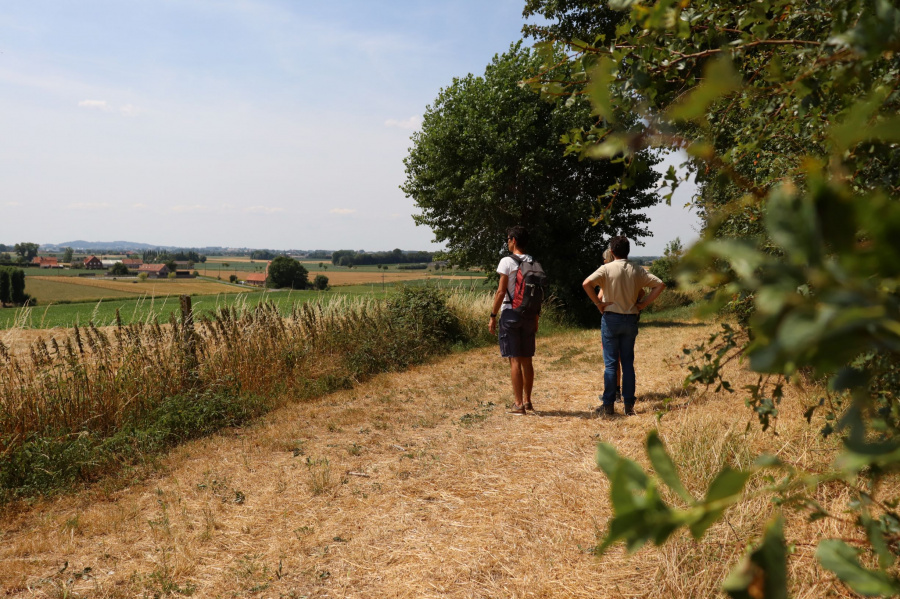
point(520, 234)
point(620, 246)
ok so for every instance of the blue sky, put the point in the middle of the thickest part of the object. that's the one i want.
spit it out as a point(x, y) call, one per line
point(243, 123)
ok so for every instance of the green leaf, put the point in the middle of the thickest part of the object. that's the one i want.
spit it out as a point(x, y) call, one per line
point(622, 4)
point(628, 486)
point(598, 90)
point(767, 460)
point(622, 527)
point(607, 458)
point(719, 79)
point(763, 573)
point(861, 123)
point(877, 541)
point(664, 466)
point(743, 257)
point(724, 491)
point(840, 558)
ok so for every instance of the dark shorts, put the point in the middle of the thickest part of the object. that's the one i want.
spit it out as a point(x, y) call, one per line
point(516, 335)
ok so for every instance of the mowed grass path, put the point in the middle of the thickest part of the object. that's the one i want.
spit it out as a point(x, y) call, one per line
point(419, 484)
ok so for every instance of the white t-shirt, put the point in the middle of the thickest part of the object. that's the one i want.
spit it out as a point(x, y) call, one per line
point(508, 267)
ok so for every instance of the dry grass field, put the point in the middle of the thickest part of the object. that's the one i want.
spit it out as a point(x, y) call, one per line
point(56, 289)
point(70, 288)
point(354, 277)
point(419, 484)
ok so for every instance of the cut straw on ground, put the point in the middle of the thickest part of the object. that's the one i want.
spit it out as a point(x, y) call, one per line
point(458, 498)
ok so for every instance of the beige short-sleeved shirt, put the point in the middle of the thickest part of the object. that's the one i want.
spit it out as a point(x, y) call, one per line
point(621, 282)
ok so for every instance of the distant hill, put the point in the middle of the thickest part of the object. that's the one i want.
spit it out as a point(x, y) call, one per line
point(102, 245)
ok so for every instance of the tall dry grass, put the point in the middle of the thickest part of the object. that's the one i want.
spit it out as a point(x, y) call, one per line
point(89, 399)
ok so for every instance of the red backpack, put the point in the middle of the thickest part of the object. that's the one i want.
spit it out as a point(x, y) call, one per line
point(530, 289)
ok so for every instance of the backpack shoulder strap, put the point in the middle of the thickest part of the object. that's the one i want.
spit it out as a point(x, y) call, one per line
point(519, 262)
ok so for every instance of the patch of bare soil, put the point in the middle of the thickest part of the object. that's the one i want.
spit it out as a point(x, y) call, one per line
point(417, 484)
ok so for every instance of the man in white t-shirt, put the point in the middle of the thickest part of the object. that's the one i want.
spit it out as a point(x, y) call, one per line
point(516, 333)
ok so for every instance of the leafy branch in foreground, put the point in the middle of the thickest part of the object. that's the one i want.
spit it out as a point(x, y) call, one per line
point(640, 515)
point(788, 113)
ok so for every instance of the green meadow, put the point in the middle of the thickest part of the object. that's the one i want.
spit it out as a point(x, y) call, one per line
point(103, 312)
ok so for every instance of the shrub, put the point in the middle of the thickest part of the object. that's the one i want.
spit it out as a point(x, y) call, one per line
point(666, 266)
point(320, 283)
point(5, 286)
point(119, 269)
point(669, 300)
point(284, 271)
point(424, 311)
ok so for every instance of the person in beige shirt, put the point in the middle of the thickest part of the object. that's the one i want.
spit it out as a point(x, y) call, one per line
point(621, 283)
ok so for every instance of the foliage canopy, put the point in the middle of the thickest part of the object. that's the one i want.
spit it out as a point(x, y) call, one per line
point(285, 272)
point(488, 156)
point(788, 110)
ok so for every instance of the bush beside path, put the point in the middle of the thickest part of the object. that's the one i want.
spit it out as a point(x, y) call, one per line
point(415, 484)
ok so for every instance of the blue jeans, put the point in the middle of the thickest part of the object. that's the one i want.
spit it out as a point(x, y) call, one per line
point(618, 333)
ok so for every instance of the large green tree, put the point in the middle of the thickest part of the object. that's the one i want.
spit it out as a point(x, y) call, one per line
point(285, 272)
point(490, 155)
point(789, 112)
point(27, 251)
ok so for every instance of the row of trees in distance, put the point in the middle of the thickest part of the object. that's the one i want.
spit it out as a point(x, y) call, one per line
point(166, 256)
point(395, 256)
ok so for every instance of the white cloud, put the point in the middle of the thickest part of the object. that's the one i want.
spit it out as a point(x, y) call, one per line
point(411, 123)
point(342, 211)
point(95, 105)
point(139, 206)
point(189, 208)
point(129, 110)
point(12, 204)
point(263, 209)
point(89, 206)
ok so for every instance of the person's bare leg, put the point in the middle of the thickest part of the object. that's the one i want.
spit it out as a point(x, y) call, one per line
point(527, 378)
point(515, 371)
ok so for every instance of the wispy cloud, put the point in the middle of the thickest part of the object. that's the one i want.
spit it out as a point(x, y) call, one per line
point(411, 123)
point(263, 209)
point(12, 204)
point(104, 106)
point(95, 105)
point(129, 110)
point(342, 211)
point(139, 206)
point(89, 206)
point(189, 208)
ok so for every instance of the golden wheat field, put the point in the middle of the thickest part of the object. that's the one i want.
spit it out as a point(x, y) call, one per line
point(419, 484)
